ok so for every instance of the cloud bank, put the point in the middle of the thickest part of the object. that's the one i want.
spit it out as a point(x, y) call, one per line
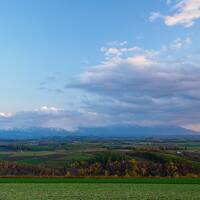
point(131, 85)
point(145, 87)
point(51, 117)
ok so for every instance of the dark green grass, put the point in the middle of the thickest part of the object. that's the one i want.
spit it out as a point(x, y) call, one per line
point(100, 180)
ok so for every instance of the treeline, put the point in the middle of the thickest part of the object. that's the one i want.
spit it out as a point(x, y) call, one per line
point(22, 147)
point(113, 165)
point(16, 169)
point(107, 164)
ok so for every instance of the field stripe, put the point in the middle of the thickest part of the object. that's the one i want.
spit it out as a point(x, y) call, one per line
point(100, 180)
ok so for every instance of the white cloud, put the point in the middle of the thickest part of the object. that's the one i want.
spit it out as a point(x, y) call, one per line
point(117, 51)
point(179, 43)
point(154, 15)
point(112, 51)
point(186, 13)
point(128, 55)
point(118, 43)
point(188, 40)
point(140, 60)
point(5, 114)
point(2, 114)
point(49, 109)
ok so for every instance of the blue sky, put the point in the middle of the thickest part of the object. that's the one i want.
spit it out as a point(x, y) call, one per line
point(55, 55)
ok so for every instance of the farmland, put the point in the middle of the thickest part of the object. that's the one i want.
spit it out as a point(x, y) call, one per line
point(83, 191)
point(99, 188)
point(98, 168)
point(90, 156)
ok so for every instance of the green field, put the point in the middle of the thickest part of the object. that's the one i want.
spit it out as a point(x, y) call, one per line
point(99, 188)
point(51, 180)
point(62, 191)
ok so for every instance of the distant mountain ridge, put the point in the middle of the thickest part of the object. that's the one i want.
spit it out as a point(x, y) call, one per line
point(32, 133)
point(110, 131)
point(135, 131)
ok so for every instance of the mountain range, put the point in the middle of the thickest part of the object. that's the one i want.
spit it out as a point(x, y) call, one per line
point(105, 132)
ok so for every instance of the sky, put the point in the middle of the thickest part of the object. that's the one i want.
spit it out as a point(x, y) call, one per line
point(72, 64)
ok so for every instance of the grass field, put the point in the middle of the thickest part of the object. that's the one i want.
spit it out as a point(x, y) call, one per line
point(62, 191)
point(113, 180)
point(99, 188)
